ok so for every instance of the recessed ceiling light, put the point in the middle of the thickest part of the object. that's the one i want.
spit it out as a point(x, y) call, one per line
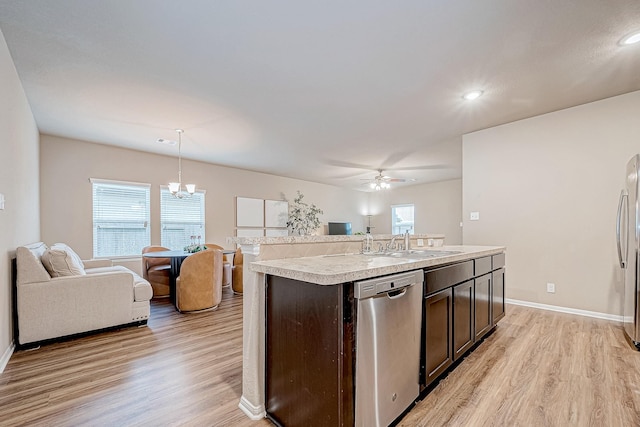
point(474, 94)
point(165, 141)
point(630, 39)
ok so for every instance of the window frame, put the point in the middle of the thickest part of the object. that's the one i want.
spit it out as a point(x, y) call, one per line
point(98, 250)
point(401, 229)
point(164, 191)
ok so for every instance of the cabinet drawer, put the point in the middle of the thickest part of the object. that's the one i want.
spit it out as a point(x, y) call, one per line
point(482, 266)
point(444, 277)
point(497, 261)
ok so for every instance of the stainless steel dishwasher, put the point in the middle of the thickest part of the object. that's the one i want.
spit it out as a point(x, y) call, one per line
point(389, 319)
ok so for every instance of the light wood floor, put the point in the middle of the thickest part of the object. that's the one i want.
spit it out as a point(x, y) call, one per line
point(537, 369)
point(183, 369)
point(540, 368)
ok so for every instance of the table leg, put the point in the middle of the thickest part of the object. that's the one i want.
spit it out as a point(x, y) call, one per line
point(174, 272)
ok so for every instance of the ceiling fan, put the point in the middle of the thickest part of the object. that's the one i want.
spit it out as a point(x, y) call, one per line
point(381, 181)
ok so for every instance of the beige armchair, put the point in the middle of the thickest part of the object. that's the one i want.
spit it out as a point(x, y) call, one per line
point(236, 284)
point(156, 271)
point(199, 286)
point(226, 267)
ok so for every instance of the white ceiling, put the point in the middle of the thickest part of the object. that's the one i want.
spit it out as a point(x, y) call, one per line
point(325, 91)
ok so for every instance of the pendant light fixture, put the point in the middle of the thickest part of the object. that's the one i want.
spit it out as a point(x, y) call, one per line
point(176, 187)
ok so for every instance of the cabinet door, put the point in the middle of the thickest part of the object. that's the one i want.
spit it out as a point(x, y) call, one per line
point(438, 334)
point(463, 317)
point(308, 360)
point(482, 305)
point(497, 297)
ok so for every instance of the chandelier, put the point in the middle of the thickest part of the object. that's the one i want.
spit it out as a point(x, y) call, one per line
point(176, 187)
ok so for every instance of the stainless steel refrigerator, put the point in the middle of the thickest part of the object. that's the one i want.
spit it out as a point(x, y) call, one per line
point(628, 238)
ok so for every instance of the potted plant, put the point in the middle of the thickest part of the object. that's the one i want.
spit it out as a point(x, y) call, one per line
point(303, 218)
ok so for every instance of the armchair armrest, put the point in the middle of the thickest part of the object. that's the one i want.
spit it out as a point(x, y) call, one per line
point(95, 263)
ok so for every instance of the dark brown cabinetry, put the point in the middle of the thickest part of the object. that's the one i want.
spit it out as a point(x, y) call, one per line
point(498, 281)
point(438, 333)
point(463, 318)
point(310, 337)
point(309, 353)
point(497, 303)
point(470, 294)
point(482, 305)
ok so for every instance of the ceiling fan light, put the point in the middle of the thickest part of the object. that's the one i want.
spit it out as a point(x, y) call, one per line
point(372, 185)
point(386, 185)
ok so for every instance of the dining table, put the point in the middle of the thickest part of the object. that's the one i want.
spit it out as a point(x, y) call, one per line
point(176, 257)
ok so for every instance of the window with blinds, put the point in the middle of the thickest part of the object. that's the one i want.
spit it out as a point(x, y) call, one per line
point(402, 219)
point(181, 220)
point(120, 218)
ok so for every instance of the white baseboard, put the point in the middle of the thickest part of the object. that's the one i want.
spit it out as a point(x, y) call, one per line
point(559, 309)
point(6, 356)
point(252, 411)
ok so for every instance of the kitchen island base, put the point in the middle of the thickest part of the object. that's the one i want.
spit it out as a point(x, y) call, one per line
point(311, 336)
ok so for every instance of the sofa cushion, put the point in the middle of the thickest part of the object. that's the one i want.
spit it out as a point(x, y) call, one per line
point(70, 251)
point(61, 260)
point(142, 290)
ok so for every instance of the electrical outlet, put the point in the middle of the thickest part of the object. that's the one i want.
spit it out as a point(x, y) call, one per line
point(551, 288)
point(475, 216)
point(420, 242)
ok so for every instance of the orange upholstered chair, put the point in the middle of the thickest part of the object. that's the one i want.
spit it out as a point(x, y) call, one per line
point(236, 283)
point(156, 271)
point(199, 286)
point(226, 266)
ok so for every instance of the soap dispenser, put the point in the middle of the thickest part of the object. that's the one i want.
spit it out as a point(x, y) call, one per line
point(407, 241)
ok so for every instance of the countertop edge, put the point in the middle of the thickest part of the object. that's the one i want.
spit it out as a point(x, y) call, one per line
point(302, 268)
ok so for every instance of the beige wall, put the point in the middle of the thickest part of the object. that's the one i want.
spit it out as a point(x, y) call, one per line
point(437, 208)
point(547, 188)
point(67, 165)
point(20, 220)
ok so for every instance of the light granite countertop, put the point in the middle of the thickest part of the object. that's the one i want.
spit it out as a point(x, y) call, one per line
point(342, 268)
point(279, 240)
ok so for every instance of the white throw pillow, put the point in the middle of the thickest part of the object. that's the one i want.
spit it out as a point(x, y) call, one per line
point(61, 260)
point(70, 251)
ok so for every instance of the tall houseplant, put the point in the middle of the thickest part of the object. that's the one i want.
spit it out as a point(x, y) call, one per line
point(303, 218)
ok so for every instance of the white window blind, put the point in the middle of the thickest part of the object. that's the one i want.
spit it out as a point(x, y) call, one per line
point(402, 219)
point(120, 218)
point(181, 220)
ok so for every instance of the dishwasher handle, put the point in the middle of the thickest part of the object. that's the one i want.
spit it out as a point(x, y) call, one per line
point(399, 293)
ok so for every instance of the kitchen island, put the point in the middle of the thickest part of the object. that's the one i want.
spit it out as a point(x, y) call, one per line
point(316, 294)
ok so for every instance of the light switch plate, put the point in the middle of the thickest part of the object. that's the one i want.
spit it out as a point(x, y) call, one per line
point(1, 201)
point(475, 216)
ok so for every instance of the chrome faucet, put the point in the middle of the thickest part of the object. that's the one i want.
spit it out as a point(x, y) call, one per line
point(391, 246)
